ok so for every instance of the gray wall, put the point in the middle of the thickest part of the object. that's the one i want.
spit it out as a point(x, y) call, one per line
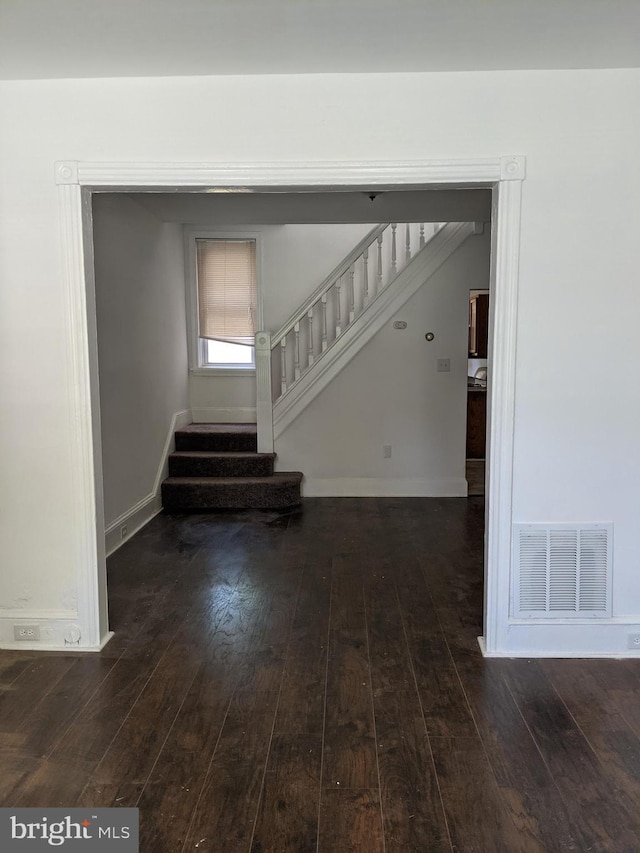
point(391, 393)
point(142, 353)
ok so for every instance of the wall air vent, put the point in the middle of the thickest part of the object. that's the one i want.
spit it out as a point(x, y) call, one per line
point(562, 571)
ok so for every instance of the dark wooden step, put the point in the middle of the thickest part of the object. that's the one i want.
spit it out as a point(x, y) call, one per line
point(218, 437)
point(278, 491)
point(206, 463)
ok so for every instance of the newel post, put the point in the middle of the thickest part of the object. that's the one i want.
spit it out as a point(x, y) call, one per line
point(264, 399)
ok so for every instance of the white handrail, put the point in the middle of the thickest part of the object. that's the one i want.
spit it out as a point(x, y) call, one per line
point(329, 281)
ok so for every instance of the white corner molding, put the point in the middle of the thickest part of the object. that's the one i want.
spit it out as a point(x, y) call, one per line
point(66, 172)
point(513, 168)
point(75, 180)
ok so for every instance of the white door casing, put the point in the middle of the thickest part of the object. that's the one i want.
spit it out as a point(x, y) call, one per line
point(76, 181)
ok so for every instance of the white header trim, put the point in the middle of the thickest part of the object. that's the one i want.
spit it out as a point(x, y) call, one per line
point(128, 176)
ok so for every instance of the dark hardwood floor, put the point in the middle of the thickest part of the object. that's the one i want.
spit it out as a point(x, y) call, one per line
point(311, 681)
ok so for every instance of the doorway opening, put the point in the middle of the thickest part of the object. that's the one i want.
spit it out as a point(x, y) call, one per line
point(477, 379)
point(77, 183)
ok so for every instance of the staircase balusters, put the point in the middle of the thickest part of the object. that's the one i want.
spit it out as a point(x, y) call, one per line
point(338, 310)
point(283, 365)
point(296, 352)
point(352, 295)
point(340, 314)
point(365, 277)
point(325, 342)
point(310, 339)
point(394, 264)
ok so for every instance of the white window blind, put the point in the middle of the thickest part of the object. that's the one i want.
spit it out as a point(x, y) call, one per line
point(226, 272)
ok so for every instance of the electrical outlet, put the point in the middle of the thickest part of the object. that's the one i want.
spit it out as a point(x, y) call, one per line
point(443, 365)
point(633, 641)
point(26, 633)
point(123, 531)
point(386, 451)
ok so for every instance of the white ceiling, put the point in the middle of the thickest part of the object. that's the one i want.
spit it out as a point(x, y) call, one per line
point(121, 38)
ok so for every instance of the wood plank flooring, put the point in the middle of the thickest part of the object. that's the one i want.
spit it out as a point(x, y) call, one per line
point(311, 681)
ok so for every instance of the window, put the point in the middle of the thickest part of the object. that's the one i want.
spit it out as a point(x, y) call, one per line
point(225, 300)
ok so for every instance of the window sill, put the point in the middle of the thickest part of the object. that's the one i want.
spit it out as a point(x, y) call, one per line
point(233, 370)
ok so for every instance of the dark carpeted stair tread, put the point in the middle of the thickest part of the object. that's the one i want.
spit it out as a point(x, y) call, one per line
point(222, 454)
point(210, 428)
point(278, 477)
point(218, 437)
point(275, 492)
point(217, 466)
point(209, 463)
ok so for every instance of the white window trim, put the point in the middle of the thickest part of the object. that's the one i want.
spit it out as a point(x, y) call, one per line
point(203, 232)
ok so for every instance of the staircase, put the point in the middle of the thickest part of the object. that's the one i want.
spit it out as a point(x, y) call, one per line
point(217, 466)
point(365, 291)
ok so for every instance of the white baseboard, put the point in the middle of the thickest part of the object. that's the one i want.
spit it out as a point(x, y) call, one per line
point(52, 633)
point(229, 415)
point(384, 487)
point(134, 519)
point(587, 639)
point(141, 513)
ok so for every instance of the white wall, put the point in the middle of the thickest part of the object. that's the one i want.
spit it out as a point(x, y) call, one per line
point(575, 455)
point(142, 355)
point(391, 393)
point(295, 259)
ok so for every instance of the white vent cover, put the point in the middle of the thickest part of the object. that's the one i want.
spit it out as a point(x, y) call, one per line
point(562, 570)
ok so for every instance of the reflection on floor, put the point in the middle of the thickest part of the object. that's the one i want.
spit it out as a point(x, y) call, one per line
point(310, 682)
point(475, 477)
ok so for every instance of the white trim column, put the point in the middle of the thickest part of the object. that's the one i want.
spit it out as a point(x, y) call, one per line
point(264, 393)
point(505, 255)
point(90, 630)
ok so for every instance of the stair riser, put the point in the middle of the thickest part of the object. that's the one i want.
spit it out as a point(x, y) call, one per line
point(185, 467)
point(238, 443)
point(180, 498)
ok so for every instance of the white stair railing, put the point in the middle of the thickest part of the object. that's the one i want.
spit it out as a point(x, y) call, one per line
point(284, 358)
